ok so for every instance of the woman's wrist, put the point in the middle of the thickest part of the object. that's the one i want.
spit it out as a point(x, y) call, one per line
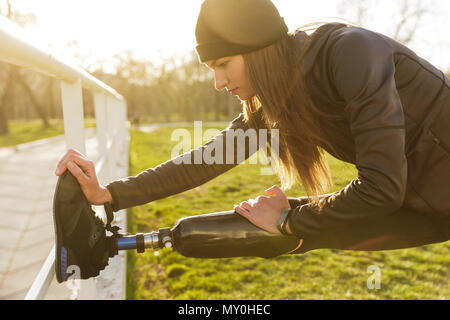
point(288, 228)
point(282, 224)
point(104, 196)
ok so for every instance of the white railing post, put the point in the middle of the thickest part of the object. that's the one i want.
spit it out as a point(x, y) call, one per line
point(124, 127)
point(112, 112)
point(121, 122)
point(73, 114)
point(72, 105)
point(102, 134)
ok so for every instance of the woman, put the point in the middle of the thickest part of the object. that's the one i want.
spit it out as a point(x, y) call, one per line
point(361, 96)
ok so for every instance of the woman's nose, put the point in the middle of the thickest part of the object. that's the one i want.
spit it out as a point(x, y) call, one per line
point(220, 81)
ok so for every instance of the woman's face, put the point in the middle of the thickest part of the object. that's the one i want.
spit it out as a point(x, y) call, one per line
point(230, 73)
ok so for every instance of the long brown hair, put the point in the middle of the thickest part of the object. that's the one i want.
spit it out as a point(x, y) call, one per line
point(275, 75)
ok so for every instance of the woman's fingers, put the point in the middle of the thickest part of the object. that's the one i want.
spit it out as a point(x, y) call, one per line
point(243, 209)
point(264, 211)
point(261, 199)
point(85, 164)
point(278, 196)
point(77, 172)
point(251, 203)
point(68, 156)
point(246, 205)
point(83, 170)
point(61, 166)
point(242, 212)
point(275, 190)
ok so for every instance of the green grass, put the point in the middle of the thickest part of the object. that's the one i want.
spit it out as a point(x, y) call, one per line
point(21, 131)
point(416, 273)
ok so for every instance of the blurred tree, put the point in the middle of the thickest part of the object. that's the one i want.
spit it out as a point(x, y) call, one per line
point(175, 90)
point(31, 82)
point(411, 14)
point(359, 10)
point(406, 18)
point(22, 19)
point(7, 77)
point(131, 76)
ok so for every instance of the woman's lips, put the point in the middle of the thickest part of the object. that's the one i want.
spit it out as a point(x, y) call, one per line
point(233, 92)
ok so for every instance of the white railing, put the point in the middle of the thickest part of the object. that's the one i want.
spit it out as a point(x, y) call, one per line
point(110, 114)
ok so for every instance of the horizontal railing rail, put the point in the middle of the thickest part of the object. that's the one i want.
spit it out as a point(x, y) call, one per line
point(19, 49)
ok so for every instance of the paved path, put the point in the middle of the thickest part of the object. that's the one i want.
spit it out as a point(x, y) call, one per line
point(27, 184)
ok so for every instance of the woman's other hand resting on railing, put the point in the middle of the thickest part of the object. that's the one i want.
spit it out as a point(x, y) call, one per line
point(83, 170)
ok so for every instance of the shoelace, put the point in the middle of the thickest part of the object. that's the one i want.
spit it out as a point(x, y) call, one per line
point(109, 218)
point(112, 240)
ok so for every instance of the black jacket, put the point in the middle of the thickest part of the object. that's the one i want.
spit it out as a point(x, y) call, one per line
point(397, 107)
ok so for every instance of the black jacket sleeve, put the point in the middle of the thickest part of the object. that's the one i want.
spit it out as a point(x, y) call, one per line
point(362, 68)
point(186, 171)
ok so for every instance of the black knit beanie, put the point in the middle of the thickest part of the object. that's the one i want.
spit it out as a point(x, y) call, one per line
point(232, 27)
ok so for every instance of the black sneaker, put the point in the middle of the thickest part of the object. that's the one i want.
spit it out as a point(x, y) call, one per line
point(80, 236)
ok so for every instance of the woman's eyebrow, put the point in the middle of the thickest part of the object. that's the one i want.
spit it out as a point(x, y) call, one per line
point(213, 63)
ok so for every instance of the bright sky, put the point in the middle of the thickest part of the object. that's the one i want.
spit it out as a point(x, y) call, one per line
point(152, 29)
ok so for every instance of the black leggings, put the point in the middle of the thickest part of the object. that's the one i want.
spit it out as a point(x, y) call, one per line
point(404, 228)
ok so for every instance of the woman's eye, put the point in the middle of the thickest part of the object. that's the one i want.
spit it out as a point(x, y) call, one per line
point(223, 64)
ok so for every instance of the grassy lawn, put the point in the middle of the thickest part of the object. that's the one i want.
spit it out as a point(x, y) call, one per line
point(21, 131)
point(416, 273)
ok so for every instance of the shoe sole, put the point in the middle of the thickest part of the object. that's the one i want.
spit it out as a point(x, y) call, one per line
point(61, 256)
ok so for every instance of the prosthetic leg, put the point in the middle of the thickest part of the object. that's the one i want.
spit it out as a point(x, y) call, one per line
point(214, 235)
point(81, 237)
